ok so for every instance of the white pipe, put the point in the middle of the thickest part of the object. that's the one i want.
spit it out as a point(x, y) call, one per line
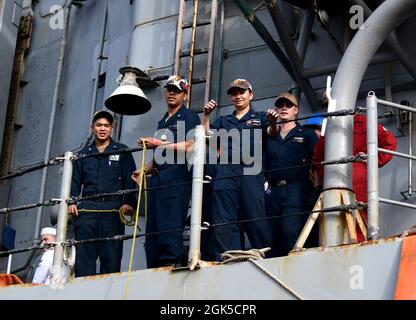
point(9, 263)
point(372, 169)
point(197, 189)
point(58, 257)
point(347, 83)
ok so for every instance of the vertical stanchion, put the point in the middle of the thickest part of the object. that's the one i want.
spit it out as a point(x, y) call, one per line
point(410, 149)
point(372, 168)
point(57, 267)
point(9, 263)
point(197, 188)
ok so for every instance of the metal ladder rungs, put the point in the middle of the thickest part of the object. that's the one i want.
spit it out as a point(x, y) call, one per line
point(198, 80)
point(198, 24)
point(192, 51)
point(187, 53)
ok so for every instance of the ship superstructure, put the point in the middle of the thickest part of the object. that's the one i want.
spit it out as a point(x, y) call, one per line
point(63, 57)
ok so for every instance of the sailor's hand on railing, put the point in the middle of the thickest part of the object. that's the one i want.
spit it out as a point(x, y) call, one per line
point(272, 116)
point(127, 210)
point(73, 210)
point(150, 142)
point(209, 107)
point(364, 155)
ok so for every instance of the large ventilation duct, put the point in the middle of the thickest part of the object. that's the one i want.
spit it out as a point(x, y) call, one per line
point(392, 42)
point(346, 86)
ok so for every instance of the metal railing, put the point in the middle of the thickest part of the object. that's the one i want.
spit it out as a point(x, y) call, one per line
point(196, 209)
point(372, 163)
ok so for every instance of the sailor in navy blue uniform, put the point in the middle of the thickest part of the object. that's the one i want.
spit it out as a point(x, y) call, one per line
point(168, 206)
point(241, 196)
point(288, 145)
point(100, 218)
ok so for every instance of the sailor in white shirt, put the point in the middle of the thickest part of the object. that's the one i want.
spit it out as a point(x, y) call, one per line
point(42, 273)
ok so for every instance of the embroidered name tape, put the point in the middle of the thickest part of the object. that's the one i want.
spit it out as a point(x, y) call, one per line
point(298, 139)
point(253, 122)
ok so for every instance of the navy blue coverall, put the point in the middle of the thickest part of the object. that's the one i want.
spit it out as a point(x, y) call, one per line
point(240, 197)
point(289, 187)
point(168, 207)
point(94, 175)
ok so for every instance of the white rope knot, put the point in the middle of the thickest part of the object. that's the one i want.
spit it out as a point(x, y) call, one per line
point(243, 255)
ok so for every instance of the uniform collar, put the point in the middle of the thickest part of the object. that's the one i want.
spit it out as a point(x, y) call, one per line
point(291, 133)
point(178, 116)
point(93, 148)
point(249, 115)
point(294, 131)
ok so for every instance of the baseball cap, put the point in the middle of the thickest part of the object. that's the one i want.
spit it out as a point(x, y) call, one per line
point(103, 114)
point(48, 230)
point(178, 82)
point(287, 96)
point(240, 83)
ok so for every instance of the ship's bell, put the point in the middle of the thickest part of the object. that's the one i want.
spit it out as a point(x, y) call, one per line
point(128, 98)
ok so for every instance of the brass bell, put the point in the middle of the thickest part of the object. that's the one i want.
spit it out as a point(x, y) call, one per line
point(128, 98)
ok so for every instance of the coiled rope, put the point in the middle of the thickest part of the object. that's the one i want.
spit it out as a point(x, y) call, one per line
point(252, 255)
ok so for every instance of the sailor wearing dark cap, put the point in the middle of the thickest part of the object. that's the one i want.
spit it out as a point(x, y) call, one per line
point(168, 206)
point(100, 218)
point(289, 145)
point(241, 195)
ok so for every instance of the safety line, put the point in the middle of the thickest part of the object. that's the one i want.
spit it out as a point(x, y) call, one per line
point(71, 242)
point(53, 161)
point(74, 200)
point(46, 203)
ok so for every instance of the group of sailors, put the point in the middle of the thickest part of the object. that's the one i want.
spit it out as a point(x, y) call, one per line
point(261, 172)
